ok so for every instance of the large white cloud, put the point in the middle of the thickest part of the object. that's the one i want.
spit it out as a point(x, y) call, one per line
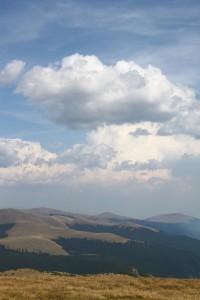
point(82, 92)
point(143, 154)
point(11, 72)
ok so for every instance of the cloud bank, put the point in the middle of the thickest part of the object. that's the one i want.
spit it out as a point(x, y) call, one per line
point(112, 155)
point(119, 168)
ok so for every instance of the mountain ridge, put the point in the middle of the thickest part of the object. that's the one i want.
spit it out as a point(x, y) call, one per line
point(105, 242)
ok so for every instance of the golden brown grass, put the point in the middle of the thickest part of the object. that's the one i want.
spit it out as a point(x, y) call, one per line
point(27, 284)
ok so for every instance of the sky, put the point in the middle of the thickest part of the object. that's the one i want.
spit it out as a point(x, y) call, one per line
point(100, 106)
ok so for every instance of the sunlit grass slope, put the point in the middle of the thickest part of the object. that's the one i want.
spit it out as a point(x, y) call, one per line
point(29, 284)
point(35, 233)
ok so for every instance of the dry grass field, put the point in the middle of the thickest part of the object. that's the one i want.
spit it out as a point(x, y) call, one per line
point(29, 284)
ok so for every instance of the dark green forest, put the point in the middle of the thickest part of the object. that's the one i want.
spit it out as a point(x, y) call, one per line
point(147, 258)
point(93, 256)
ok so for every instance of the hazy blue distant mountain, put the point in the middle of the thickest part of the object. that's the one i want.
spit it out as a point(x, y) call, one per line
point(177, 224)
point(171, 218)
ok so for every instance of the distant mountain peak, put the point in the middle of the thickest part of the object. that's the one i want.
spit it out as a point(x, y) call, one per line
point(171, 218)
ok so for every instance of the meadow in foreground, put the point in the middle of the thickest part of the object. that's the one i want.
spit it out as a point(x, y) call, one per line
point(29, 284)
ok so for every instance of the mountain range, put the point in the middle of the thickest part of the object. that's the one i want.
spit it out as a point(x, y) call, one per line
point(49, 239)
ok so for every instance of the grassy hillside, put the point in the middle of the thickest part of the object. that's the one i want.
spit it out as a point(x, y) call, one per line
point(25, 231)
point(27, 284)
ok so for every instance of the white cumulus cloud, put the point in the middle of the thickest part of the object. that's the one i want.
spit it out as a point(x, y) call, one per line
point(142, 147)
point(16, 152)
point(11, 72)
point(89, 156)
point(82, 92)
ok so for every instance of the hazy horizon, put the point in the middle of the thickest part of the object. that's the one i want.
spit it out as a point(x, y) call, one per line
point(94, 213)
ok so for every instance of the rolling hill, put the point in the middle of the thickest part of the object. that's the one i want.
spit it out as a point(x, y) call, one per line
point(36, 233)
point(48, 239)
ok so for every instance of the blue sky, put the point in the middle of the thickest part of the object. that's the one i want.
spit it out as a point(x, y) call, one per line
point(99, 105)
